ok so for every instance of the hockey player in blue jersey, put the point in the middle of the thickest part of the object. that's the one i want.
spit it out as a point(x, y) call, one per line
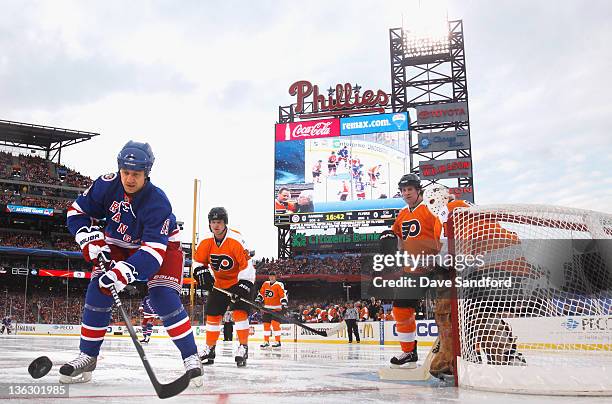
point(148, 315)
point(6, 325)
point(140, 241)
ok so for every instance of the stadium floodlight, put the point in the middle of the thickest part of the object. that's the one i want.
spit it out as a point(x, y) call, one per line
point(426, 29)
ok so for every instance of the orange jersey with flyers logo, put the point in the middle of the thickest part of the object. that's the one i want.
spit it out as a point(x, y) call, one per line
point(419, 230)
point(273, 294)
point(229, 262)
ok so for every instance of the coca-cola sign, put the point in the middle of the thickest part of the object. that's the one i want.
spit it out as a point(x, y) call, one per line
point(344, 98)
point(307, 130)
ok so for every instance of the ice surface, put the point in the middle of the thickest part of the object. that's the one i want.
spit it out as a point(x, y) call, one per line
point(297, 373)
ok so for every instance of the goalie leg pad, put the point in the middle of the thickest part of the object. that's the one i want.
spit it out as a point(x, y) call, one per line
point(442, 363)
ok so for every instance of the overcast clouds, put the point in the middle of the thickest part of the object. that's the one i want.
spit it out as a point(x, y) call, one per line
point(201, 81)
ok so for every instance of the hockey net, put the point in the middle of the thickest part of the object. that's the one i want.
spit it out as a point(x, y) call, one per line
point(549, 329)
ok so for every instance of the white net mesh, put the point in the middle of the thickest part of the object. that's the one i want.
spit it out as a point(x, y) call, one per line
point(548, 329)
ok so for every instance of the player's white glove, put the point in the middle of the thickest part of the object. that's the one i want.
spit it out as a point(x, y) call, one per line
point(91, 241)
point(120, 275)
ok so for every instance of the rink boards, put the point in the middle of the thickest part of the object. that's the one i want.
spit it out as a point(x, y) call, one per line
point(371, 332)
point(543, 333)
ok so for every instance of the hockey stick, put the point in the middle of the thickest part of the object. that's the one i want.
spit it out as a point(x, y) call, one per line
point(417, 374)
point(322, 333)
point(163, 390)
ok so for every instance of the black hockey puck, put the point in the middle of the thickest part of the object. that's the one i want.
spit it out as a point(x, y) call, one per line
point(40, 367)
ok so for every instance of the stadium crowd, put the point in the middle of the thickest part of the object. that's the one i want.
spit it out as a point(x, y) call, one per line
point(38, 170)
point(345, 265)
point(24, 240)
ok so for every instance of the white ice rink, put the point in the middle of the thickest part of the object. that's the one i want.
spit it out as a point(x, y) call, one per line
point(298, 373)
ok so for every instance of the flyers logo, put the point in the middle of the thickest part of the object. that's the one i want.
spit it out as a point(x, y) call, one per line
point(269, 293)
point(221, 262)
point(411, 228)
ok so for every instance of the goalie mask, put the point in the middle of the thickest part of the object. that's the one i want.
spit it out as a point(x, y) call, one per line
point(436, 198)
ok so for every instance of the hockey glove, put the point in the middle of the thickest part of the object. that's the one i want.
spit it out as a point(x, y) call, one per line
point(241, 290)
point(91, 241)
point(388, 242)
point(259, 299)
point(204, 278)
point(120, 275)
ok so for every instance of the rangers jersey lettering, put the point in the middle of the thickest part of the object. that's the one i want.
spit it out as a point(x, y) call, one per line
point(142, 225)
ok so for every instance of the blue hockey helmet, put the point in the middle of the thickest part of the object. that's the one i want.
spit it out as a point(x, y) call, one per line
point(136, 156)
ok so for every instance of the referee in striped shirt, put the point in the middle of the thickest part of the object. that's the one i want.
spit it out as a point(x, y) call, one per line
point(350, 317)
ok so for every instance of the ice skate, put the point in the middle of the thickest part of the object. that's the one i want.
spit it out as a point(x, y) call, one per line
point(265, 345)
point(145, 340)
point(406, 360)
point(276, 344)
point(208, 358)
point(242, 355)
point(78, 370)
point(193, 367)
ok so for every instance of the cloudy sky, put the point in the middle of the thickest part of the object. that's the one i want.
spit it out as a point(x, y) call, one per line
point(201, 81)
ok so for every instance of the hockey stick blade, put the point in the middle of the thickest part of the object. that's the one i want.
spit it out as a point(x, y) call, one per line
point(322, 333)
point(332, 331)
point(163, 390)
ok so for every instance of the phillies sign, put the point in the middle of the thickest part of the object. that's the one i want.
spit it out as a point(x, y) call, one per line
point(307, 129)
point(343, 98)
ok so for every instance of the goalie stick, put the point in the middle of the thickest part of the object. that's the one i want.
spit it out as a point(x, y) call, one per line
point(418, 374)
point(163, 390)
point(323, 333)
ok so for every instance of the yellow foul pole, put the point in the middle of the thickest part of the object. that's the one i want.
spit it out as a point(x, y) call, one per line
point(193, 242)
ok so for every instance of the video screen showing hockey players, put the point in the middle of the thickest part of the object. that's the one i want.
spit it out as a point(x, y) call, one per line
point(342, 173)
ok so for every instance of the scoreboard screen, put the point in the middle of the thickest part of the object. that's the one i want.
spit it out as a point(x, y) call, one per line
point(364, 218)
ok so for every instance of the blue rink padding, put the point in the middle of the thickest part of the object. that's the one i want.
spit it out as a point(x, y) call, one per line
point(364, 204)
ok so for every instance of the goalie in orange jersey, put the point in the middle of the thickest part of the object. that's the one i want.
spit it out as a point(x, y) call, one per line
point(274, 297)
point(417, 231)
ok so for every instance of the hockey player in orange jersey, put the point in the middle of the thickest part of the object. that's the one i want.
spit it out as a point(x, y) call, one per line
point(274, 297)
point(225, 263)
point(418, 232)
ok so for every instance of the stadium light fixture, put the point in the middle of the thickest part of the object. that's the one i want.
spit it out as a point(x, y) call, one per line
point(426, 29)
